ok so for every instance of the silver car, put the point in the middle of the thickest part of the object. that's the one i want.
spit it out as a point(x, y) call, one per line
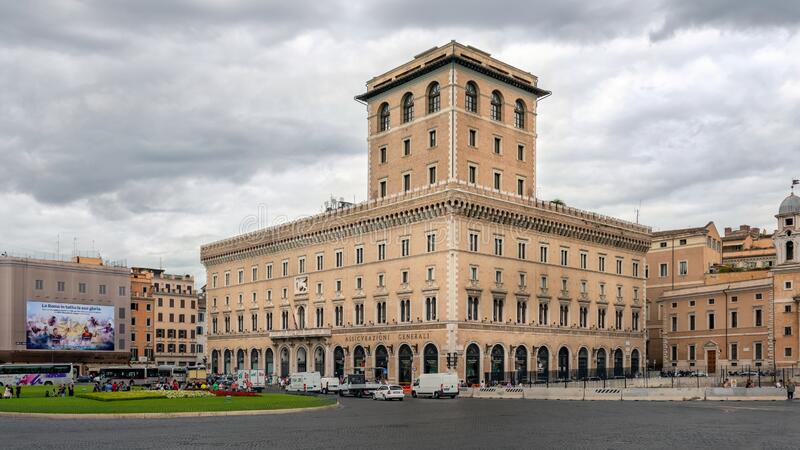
point(388, 392)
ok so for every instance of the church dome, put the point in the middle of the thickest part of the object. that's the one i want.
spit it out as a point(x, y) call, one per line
point(790, 205)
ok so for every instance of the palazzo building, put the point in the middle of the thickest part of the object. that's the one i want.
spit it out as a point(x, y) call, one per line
point(452, 264)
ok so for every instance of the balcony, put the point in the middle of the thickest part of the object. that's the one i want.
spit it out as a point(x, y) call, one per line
point(304, 333)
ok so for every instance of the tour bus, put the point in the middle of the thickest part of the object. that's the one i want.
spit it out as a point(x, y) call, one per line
point(31, 374)
point(169, 373)
point(140, 376)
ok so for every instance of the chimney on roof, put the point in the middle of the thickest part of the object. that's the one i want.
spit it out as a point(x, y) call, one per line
point(728, 231)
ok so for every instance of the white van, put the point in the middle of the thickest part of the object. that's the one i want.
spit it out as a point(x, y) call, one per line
point(435, 385)
point(304, 382)
point(329, 385)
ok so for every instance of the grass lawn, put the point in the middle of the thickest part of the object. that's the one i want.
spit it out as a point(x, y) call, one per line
point(34, 401)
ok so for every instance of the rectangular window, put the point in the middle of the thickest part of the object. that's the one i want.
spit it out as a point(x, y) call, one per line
point(432, 175)
point(662, 270)
point(498, 246)
point(498, 180)
point(254, 274)
point(584, 260)
point(102, 289)
point(691, 322)
point(787, 331)
point(520, 186)
point(320, 262)
point(406, 182)
point(269, 271)
point(382, 153)
point(734, 319)
point(472, 138)
point(431, 242)
point(674, 353)
point(522, 250)
point(473, 241)
point(39, 285)
point(758, 351)
point(359, 255)
point(239, 277)
point(520, 152)
point(734, 351)
point(757, 319)
point(601, 263)
point(301, 265)
point(674, 323)
point(432, 138)
point(406, 147)
point(498, 146)
point(473, 174)
point(683, 268)
point(285, 267)
point(405, 246)
point(712, 321)
point(382, 188)
point(564, 257)
point(543, 254)
point(619, 266)
point(339, 257)
point(61, 287)
point(82, 288)
point(692, 353)
point(381, 251)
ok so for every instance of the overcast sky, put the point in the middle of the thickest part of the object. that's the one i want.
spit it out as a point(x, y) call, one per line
point(146, 128)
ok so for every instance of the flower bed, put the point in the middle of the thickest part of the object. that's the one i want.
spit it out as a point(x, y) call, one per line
point(188, 394)
point(123, 396)
point(234, 394)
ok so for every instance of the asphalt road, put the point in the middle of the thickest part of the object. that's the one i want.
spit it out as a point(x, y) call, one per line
point(441, 424)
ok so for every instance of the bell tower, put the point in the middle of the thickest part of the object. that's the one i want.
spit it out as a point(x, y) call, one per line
point(787, 238)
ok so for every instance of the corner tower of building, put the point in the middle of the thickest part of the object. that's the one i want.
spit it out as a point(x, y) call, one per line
point(453, 113)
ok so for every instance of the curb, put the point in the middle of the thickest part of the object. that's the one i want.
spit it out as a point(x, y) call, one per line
point(254, 412)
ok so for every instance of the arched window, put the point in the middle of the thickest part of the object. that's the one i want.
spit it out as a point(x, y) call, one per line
point(240, 360)
point(583, 364)
point(619, 362)
point(431, 359)
point(215, 362)
point(269, 362)
point(301, 360)
point(254, 359)
point(520, 365)
point(497, 106)
point(405, 358)
point(634, 363)
point(563, 363)
point(359, 360)
point(226, 362)
point(301, 319)
point(473, 365)
point(497, 373)
point(601, 364)
point(543, 365)
point(408, 107)
point(471, 97)
point(434, 98)
point(519, 114)
point(319, 361)
point(789, 251)
point(381, 363)
point(284, 362)
point(338, 362)
point(383, 117)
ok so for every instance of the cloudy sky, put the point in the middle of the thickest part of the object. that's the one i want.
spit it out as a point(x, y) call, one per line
point(145, 128)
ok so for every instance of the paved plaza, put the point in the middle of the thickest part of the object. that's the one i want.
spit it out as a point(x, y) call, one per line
point(422, 423)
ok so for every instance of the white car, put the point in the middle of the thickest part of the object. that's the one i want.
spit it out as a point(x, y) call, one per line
point(387, 392)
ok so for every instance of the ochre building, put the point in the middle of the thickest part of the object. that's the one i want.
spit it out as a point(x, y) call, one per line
point(452, 264)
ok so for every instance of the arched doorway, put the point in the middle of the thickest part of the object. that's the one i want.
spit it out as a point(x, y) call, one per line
point(226, 362)
point(269, 363)
point(302, 360)
point(284, 362)
point(472, 363)
point(359, 360)
point(215, 361)
point(338, 362)
point(543, 365)
point(430, 359)
point(563, 363)
point(404, 358)
point(254, 359)
point(619, 361)
point(521, 365)
point(601, 364)
point(583, 364)
point(498, 364)
point(381, 363)
point(240, 360)
point(319, 361)
point(634, 362)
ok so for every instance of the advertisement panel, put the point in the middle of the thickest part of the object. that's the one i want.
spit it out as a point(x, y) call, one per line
point(68, 326)
point(248, 379)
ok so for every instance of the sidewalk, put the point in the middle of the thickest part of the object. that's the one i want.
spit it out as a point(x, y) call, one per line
point(631, 394)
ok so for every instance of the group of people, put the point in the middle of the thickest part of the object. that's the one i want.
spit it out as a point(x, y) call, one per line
point(110, 386)
point(62, 391)
point(9, 392)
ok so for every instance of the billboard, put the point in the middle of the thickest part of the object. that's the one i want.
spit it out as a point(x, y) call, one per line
point(68, 326)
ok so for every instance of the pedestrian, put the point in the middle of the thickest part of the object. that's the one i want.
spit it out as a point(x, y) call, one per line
point(790, 390)
point(749, 383)
point(733, 382)
point(19, 390)
point(7, 393)
point(72, 390)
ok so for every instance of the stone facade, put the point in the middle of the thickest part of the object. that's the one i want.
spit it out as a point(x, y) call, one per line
point(451, 274)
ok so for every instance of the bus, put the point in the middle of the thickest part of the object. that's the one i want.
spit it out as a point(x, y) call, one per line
point(33, 374)
point(169, 373)
point(139, 375)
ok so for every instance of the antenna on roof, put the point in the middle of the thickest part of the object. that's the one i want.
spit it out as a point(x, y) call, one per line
point(637, 211)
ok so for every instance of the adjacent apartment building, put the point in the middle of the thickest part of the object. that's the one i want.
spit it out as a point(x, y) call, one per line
point(747, 248)
point(452, 264)
point(72, 311)
point(739, 320)
point(164, 318)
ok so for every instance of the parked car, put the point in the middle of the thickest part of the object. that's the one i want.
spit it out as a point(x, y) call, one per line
point(388, 392)
point(84, 379)
point(435, 385)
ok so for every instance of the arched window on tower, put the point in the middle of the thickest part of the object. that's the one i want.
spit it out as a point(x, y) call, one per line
point(383, 117)
point(789, 251)
point(519, 114)
point(471, 97)
point(497, 106)
point(434, 98)
point(408, 107)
